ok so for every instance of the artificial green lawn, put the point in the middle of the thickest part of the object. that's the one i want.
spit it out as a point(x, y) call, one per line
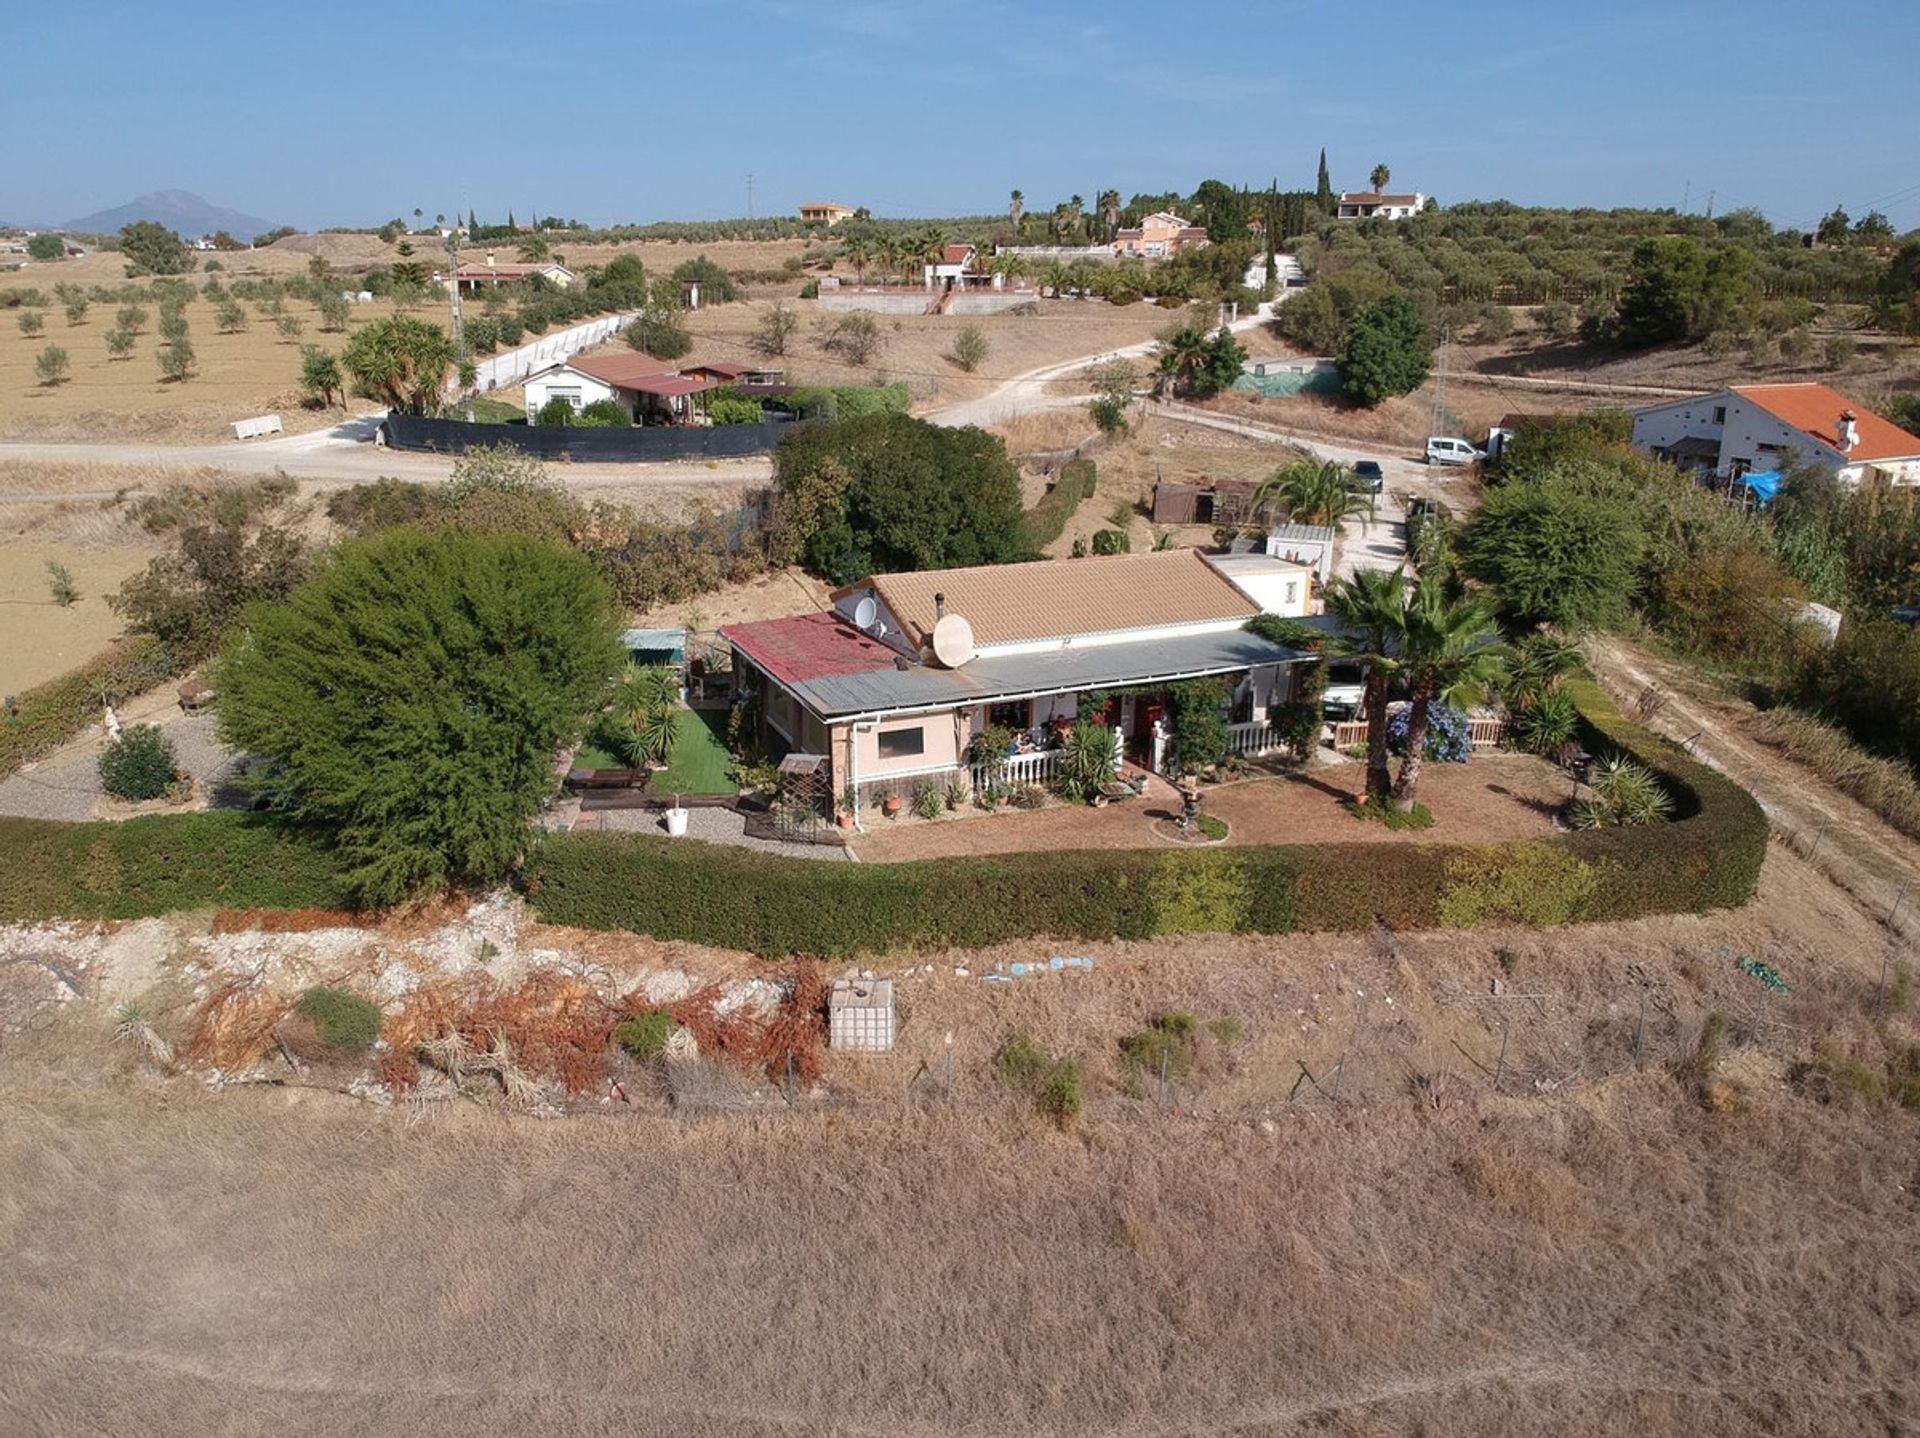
point(699, 763)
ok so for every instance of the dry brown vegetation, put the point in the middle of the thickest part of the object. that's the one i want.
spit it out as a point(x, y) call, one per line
point(1721, 1246)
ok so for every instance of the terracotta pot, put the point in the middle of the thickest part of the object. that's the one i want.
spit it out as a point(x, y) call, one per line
point(845, 821)
point(892, 805)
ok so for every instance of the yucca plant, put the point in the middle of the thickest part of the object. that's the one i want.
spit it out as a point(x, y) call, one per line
point(644, 709)
point(1089, 759)
point(1626, 795)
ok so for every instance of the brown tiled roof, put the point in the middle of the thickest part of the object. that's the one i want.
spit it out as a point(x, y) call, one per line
point(1814, 410)
point(956, 254)
point(1055, 598)
point(620, 370)
point(1367, 197)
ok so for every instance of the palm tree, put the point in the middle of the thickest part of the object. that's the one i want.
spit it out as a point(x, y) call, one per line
point(1074, 207)
point(1373, 605)
point(1313, 493)
point(859, 253)
point(1016, 210)
point(644, 707)
point(1450, 654)
point(887, 251)
point(1109, 213)
point(1183, 357)
point(932, 246)
point(1378, 179)
point(1056, 277)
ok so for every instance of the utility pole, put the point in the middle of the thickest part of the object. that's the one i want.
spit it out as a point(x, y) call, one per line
point(1686, 198)
point(749, 194)
point(1440, 381)
point(453, 284)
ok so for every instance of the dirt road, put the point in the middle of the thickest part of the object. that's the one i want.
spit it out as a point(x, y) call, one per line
point(1851, 844)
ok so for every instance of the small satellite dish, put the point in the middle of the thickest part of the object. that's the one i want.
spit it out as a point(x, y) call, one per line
point(953, 641)
point(865, 612)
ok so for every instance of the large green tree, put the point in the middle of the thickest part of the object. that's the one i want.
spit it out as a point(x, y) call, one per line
point(411, 695)
point(152, 249)
point(1556, 553)
point(889, 492)
point(401, 362)
point(1388, 351)
point(1679, 290)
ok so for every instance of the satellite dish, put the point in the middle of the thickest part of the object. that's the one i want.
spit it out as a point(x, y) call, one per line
point(953, 641)
point(865, 612)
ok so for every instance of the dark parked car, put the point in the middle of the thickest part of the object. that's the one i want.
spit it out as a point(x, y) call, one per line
point(1370, 476)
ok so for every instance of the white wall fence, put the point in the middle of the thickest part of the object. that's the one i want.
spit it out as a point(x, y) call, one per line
point(1039, 767)
point(1255, 737)
point(503, 371)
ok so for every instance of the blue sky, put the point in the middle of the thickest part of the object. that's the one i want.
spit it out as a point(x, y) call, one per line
point(349, 113)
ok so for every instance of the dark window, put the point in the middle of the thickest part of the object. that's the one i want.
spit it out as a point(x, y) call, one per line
point(902, 743)
point(1015, 716)
point(1719, 414)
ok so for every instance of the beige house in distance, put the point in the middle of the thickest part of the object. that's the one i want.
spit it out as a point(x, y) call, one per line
point(825, 212)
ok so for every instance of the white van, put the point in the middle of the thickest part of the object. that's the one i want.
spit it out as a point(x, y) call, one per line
point(1442, 450)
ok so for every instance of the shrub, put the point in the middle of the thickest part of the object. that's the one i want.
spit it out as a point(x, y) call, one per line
point(342, 1020)
point(31, 322)
point(728, 406)
point(119, 343)
point(76, 310)
point(644, 1036)
point(139, 765)
point(60, 584)
point(1168, 1044)
point(930, 802)
point(1449, 740)
point(603, 414)
point(1626, 795)
point(971, 348)
point(557, 411)
point(855, 338)
point(1054, 1084)
point(1062, 1094)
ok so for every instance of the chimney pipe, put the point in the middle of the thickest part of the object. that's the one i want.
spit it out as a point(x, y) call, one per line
point(1849, 431)
point(939, 606)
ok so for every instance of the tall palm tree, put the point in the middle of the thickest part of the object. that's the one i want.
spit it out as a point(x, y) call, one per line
point(933, 246)
point(887, 251)
point(1016, 211)
point(1313, 493)
point(1056, 277)
point(859, 253)
point(1109, 214)
point(1378, 179)
point(1373, 605)
point(1075, 207)
point(1451, 654)
point(1183, 357)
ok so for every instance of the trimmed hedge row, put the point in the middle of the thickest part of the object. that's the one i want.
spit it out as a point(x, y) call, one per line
point(1045, 522)
point(161, 863)
point(1708, 857)
point(54, 712)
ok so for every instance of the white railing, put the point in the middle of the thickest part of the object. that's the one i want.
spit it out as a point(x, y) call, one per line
point(1038, 767)
point(1485, 729)
point(908, 783)
point(1254, 737)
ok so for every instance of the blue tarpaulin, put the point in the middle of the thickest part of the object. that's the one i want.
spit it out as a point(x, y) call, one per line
point(1764, 486)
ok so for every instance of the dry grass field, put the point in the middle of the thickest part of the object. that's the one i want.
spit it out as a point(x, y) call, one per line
point(254, 371)
point(914, 348)
point(1593, 1248)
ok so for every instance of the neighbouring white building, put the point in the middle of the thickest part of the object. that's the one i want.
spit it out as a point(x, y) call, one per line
point(1759, 428)
point(485, 275)
point(649, 391)
point(1367, 205)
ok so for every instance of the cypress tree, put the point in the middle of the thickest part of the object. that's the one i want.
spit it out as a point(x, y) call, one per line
point(1323, 191)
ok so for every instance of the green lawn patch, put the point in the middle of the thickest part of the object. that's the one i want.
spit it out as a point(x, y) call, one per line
point(700, 763)
point(492, 411)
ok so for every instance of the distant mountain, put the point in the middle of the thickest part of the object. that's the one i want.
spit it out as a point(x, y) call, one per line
point(186, 214)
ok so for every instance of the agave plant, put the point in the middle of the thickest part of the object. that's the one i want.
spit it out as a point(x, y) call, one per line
point(645, 708)
point(1089, 759)
point(1626, 795)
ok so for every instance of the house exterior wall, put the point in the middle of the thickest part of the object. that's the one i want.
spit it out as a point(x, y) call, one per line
point(1316, 555)
point(1286, 594)
point(940, 748)
point(584, 389)
point(1749, 436)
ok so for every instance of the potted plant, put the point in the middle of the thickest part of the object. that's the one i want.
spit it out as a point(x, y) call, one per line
point(676, 820)
point(843, 811)
point(892, 805)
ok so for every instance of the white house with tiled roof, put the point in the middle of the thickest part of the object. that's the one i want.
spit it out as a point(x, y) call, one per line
point(1757, 428)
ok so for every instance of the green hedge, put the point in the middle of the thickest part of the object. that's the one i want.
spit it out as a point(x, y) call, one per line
point(1708, 857)
point(159, 864)
point(1048, 518)
point(54, 712)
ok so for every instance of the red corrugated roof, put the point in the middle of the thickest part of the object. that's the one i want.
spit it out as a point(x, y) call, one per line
point(806, 647)
point(668, 385)
point(1814, 410)
point(619, 370)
